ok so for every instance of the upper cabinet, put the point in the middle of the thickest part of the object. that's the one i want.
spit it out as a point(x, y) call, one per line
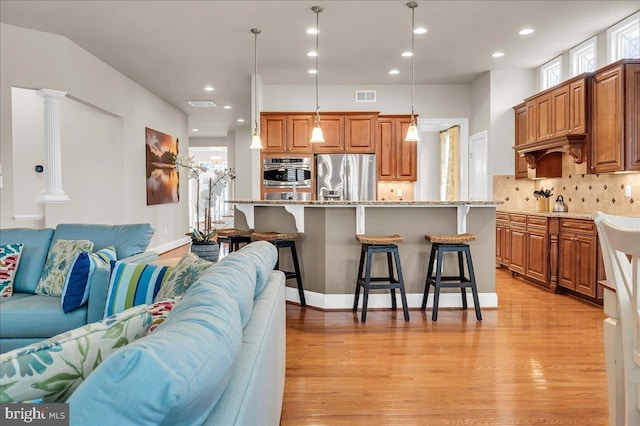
point(397, 159)
point(289, 132)
point(615, 144)
point(521, 138)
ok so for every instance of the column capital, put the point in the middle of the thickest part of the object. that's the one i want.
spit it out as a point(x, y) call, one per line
point(51, 94)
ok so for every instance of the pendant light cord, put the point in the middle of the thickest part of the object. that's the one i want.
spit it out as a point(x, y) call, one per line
point(255, 76)
point(413, 9)
point(317, 10)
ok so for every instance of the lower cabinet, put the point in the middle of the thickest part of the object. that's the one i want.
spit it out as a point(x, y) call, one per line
point(578, 251)
point(556, 253)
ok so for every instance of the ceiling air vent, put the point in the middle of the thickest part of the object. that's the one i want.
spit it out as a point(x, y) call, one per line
point(202, 104)
point(365, 95)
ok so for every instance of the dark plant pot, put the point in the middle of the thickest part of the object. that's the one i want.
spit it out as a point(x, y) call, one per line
point(208, 251)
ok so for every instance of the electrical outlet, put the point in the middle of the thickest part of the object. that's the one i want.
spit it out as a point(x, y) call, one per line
point(627, 191)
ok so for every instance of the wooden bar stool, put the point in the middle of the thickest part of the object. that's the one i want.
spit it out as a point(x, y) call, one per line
point(234, 237)
point(441, 244)
point(285, 240)
point(371, 245)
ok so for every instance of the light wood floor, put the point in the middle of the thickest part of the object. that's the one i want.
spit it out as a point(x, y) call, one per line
point(538, 359)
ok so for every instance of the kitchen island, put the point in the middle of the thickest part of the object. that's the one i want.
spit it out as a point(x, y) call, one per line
point(329, 253)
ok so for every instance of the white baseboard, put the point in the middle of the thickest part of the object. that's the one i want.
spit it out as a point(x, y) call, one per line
point(170, 245)
point(345, 301)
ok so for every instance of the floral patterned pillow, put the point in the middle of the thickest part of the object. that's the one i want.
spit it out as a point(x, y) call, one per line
point(185, 273)
point(9, 260)
point(59, 259)
point(160, 310)
point(54, 368)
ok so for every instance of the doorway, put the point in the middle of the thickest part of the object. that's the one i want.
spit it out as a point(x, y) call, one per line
point(478, 180)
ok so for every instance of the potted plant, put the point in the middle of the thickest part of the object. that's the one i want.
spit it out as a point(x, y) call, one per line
point(204, 240)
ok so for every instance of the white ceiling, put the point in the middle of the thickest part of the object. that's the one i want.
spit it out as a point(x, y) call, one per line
point(175, 48)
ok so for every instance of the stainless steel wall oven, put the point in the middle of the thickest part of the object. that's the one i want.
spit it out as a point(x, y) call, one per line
point(286, 172)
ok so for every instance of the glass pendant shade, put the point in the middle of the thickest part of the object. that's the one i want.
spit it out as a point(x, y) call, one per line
point(412, 133)
point(316, 134)
point(256, 142)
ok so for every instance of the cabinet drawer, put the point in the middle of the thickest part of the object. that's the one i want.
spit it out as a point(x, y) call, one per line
point(537, 222)
point(504, 217)
point(583, 226)
point(518, 220)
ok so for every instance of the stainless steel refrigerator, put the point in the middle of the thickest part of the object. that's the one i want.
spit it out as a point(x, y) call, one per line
point(349, 177)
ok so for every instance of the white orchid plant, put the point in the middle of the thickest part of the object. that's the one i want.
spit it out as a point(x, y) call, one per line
point(216, 186)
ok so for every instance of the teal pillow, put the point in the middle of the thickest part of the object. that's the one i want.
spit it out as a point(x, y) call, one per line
point(128, 239)
point(75, 292)
point(52, 369)
point(61, 255)
point(133, 284)
point(185, 273)
point(175, 375)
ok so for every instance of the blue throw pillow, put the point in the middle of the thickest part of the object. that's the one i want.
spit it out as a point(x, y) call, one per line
point(133, 284)
point(75, 292)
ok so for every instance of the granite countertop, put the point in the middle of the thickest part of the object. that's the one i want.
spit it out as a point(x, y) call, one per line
point(568, 215)
point(366, 203)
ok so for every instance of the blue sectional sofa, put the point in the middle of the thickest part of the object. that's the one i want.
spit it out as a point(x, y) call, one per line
point(218, 358)
point(25, 317)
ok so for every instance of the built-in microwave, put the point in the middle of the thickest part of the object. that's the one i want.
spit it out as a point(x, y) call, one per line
point(286, 172)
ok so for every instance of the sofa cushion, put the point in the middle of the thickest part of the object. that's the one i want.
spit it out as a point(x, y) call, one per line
point(185, 273)
point(133, 284)
point(34, 254)
point(75, 291)
point(237, 277)
point(61, 255)
point(53, 369)
point(127, 239)
point(264, 256)
point(34, 316)
point(9, 262)
point(174, 375)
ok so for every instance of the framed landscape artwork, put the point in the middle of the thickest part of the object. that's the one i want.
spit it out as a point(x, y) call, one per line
point(162, 175)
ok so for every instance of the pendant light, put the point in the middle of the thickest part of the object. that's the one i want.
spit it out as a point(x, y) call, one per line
point(316, 134)
point(412, 131)
point(256, 142)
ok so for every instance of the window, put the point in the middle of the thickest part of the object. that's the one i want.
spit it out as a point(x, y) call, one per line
point(583, 57)
point(624, 38)
point(551, 73)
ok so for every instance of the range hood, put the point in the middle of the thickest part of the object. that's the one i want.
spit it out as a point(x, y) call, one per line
point(547, 153)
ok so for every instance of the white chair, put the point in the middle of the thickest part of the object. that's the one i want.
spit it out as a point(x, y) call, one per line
point(620, 239)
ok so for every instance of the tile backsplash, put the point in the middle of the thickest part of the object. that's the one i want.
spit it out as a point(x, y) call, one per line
point(583, 193)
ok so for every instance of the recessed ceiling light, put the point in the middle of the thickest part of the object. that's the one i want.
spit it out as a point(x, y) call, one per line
point(497, 54)
point(313, 71)
point(240, 120)
point(394, 72)
point(209, 88)
point(227, 107)
point(407, 54)
point(420, 30)
point(526, 31)
point(195, 130)
point(312, 31)
point(312, 53)
point(202, 104)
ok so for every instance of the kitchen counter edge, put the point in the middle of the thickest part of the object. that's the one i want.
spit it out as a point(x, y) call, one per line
point(366, 203)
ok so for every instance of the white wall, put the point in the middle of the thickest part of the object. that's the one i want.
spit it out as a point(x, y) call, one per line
point(429, 166)
point(100, 94)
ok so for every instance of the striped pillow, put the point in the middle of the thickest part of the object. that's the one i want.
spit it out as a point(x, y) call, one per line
point(75, 292)
point(133, 284)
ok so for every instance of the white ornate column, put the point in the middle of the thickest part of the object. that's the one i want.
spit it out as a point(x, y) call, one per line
point(52, 192)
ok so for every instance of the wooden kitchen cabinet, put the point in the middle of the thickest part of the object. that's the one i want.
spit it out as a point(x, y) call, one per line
point(273, 132)
point(299, 129)
point(615, 144)
point(578, 251)
point(560, 111)
point(397, 159)
point(578, 105)
point(520, 138)
point(537, 240)
point(517, 248)
point(502, 241)
point(360, 133)
point(333, 131)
